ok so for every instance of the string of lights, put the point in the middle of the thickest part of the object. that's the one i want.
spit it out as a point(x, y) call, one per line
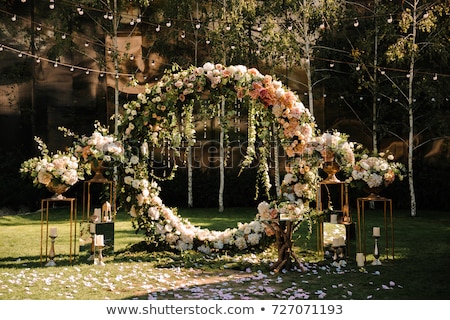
point(134, 19)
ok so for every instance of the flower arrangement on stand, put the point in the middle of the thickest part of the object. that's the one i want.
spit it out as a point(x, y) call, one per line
point(97, 150)
point(55, 171)
point(336, 153)
point(374, 172)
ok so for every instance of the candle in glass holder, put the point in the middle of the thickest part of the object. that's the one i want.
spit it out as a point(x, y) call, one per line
point(53, 232)
point(376, 231)
point(360, 259)
point(99, 240)
point(333, 218)
point(335, 242)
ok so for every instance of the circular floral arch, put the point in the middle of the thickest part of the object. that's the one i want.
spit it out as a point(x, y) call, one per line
point(161, 118)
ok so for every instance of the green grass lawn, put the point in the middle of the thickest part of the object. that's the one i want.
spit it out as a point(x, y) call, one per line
point(419, 271)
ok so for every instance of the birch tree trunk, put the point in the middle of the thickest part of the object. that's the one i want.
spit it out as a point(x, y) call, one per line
point(222, 158)
point(189, 176)
point(411, 111)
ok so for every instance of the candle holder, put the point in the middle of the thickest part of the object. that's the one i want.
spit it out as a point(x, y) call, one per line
point(99, 260)
point(341, 251)
point(376, 252)
point(92, 256)
point(335, 257)
point(51, 253)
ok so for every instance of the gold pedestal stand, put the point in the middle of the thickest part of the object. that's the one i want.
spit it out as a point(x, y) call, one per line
point(45, 205)
point(343, 208)
point(387, 207)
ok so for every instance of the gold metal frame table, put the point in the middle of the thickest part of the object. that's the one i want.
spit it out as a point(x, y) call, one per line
point(45, 204)
point(387, 205)
point(344, 210)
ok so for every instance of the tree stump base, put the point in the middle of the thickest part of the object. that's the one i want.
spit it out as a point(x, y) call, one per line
point(287, 259)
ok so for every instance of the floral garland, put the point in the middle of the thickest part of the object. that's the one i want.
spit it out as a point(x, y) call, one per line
point(161, 117)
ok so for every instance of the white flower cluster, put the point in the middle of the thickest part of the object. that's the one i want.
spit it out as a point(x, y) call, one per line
point(376, 171)
point(58, 168)
point(62, 167)
point(336, 145)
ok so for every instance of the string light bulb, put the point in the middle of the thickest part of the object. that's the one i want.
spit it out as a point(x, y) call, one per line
point(183, 34)
point(356, 23)
point(228, 27)
point(169, 24)
point(197, 25)
point(132, 22)
point(72, 69)
point(38, 60)
point(55, 64)
point(390, 19)
point(51, 5)
point(435, 77)
point(87, 71)
point(80, 10)
point(14, 18)
point(358, 67)
point(139, 19)
point(259, 28)
point(63, 36)
point(131, 56)
point(208, 41)
point(110, 16)
point(158, 28)
point(20, 55)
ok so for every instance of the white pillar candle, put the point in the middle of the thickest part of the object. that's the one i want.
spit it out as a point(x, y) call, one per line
point(92, 228)
point(360, 259)
point(333, 218)
point(335, 242)
point(341, 241)
point(97, 212)
point(53, 232)
point(99, 240)
point(376, 231)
